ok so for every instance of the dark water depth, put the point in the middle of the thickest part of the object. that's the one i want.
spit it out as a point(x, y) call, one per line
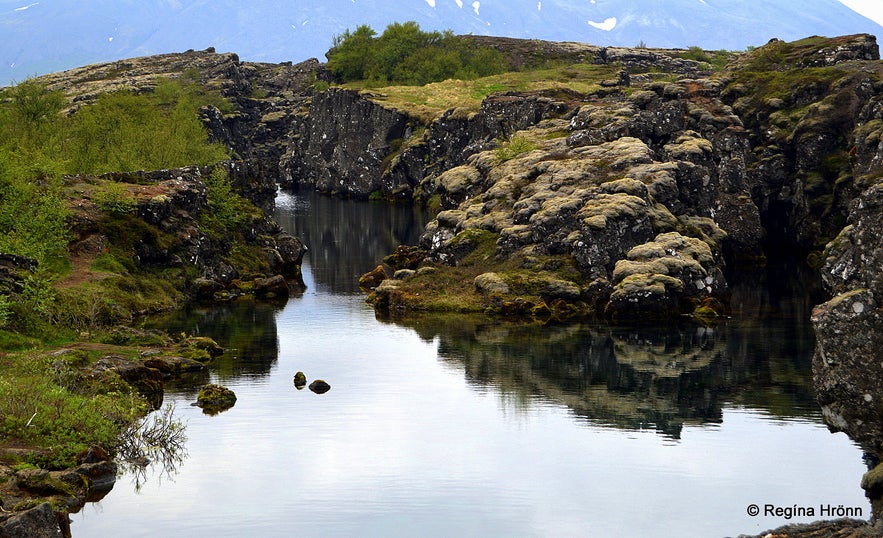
point(466, 426)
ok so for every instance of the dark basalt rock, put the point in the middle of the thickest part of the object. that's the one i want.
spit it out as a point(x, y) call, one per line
point(274, 286)
point(319, 386)
point(849, 331)
point(38, 522)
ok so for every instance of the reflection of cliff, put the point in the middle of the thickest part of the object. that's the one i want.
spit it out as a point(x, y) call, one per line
point(634, 378)
point(246, 329)
point(339, 250)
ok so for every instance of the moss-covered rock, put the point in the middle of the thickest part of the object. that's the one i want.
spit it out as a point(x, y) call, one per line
point(300, 380)
point(372, 279)
point(215, 398)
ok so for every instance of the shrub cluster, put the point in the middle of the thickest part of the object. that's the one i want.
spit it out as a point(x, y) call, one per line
point(406, 55)
point(122, 131)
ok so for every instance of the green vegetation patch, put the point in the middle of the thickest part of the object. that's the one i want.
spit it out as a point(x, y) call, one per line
point(41, 407)
point(405, 54)
point(712, 59)
point(429, 101)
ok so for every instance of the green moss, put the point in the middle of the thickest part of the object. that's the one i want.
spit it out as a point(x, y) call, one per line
point(596, 212)
point(873, 479)
point(481, 243)
point(653, 283)
point(712, 59)
point(514, 146)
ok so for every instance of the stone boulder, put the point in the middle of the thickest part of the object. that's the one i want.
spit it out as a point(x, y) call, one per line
point(319, 386)
point(372, 279)
point(214, 399)
point(271, 287)
point(300, 380)
point(291, 251)
point(38, 522)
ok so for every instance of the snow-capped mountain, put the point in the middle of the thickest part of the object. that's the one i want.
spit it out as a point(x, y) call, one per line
point(49, 35)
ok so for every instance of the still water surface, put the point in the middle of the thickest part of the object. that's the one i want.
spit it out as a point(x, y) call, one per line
point(452, 426)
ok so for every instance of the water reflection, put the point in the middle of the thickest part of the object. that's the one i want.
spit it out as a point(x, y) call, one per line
point(632, 379)
point(246, 328)
point(611, 431)
point(154, 446)
point(346, 238)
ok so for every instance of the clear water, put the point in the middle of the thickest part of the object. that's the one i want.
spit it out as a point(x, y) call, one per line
point(453, 426)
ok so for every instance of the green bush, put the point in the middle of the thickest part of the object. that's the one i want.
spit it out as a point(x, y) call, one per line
point(225, 205)
point(515, 146)
point(406, 55)
point(5, 310)
point(122, 131)
point(114, 198)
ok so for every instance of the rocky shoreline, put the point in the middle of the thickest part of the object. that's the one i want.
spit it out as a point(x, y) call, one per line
point(629, 202)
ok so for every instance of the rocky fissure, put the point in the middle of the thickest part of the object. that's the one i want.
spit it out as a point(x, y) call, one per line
point(630, 202)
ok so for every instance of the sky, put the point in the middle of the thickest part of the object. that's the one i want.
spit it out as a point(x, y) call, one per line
point(872, 9)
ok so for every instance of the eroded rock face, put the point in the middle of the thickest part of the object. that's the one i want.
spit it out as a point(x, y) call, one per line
point(642, 194)
point(849, 327)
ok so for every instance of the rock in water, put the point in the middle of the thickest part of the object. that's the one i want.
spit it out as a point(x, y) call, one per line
point(215, 398)
point(372, 279)
point(319, 386)
point(300, 380)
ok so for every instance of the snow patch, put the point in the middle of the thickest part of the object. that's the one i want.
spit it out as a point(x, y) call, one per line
point(110, 39)
point(459, 3)
point(607, 25)
point(475, 6)
point(431, 3)
point(29, 6)
point(539, 6)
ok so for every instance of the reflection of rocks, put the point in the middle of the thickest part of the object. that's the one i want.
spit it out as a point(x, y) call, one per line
point(246, 328)
point(634, 379)
point(338, 251)
point(666, 357)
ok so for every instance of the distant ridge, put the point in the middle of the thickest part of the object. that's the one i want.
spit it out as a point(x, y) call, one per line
point(50, 35)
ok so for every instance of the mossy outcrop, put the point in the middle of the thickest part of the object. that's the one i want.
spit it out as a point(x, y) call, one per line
point(604, 179)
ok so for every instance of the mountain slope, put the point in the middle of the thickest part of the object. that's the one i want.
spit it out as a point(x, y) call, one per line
point(50, 35)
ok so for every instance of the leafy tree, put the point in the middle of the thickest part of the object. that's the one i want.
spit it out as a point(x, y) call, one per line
point(404, 54)
point(351, 52)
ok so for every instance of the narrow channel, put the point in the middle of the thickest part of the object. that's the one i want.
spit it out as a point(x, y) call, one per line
point(466, 426)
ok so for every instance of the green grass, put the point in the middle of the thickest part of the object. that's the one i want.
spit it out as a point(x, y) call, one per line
point(44, 405)
point(430, 101)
